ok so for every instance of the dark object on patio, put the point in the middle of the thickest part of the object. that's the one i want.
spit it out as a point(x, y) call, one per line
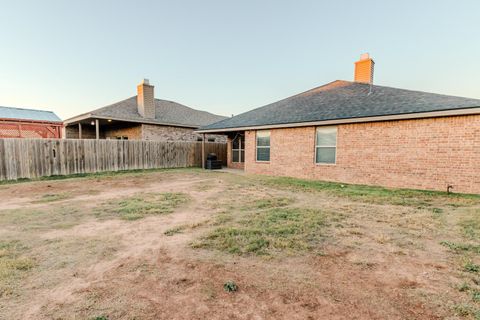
point(212, 163)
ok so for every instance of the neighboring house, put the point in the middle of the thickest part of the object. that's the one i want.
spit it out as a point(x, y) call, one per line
point(142, 117)
point(29, 123)
point(356, 132)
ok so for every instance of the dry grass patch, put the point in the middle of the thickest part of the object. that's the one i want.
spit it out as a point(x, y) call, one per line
point(461, 247)
point(470, 224)
point(271, 202)
point(296, 249)
point(372, 194)
point(45, 218)
point(141, 205)
point(72, 252)
point(266, 226)
point(175, 230)
point(52, 197)
point(269, 232)
point(13, 265)
point(466, 247)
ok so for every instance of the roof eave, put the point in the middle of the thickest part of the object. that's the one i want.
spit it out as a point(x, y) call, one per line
point(405, 116)
point(79, 118)
point(57, 123)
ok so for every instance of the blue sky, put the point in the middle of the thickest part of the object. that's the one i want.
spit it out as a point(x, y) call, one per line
point(228, 57)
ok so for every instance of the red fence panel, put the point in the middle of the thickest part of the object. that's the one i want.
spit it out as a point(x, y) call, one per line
point(20, 129)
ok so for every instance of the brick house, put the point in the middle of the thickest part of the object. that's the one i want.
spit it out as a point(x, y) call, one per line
point(142, 117)
point(360, 133)
point(29, 123)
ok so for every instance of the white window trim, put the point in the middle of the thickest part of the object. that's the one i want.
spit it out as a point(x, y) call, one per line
point(239, 150)
point(329, 146)
point(263, 147)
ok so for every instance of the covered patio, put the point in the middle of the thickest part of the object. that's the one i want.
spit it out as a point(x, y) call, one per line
point(235, 150)
point(100, 128)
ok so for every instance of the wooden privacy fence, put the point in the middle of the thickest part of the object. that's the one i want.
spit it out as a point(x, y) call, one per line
point(33, 158)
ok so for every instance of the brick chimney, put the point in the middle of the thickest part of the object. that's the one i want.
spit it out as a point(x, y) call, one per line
point(364, 69)
point(146, 100)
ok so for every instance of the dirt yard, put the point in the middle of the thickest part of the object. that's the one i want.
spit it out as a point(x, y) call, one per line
point(189, 244)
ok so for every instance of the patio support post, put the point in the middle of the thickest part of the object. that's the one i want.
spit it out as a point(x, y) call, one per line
point(97, 129)
point(79, 130)
point(203, 151)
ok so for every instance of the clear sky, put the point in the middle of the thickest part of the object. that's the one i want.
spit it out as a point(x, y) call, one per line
point(225, 56)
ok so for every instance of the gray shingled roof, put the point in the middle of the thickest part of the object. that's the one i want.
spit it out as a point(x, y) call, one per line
point(28, 114)
point(344, 100)
point(166, 112)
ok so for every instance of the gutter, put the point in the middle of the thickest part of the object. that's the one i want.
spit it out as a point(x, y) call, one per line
point(406, 116)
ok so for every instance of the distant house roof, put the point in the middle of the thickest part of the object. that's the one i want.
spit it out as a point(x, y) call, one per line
point(341, 100)
point(28, 114)
point(166, 113)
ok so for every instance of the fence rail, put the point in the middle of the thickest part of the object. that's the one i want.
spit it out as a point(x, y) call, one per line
point(33, 158)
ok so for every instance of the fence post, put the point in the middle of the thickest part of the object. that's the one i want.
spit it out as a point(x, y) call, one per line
point(97, 129)
point(203, 151)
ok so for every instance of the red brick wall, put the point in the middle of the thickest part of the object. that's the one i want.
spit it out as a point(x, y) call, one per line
point(421, 154)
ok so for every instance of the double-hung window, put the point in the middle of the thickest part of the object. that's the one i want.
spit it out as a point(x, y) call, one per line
point(263, 145)
point(326, 145)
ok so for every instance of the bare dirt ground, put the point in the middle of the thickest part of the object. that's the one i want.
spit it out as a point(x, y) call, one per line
point(161, 245)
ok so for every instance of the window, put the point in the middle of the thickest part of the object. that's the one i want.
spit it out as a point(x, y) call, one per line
point(263, 145)
point(238, 148)
point(211, 139)
point(326, 145)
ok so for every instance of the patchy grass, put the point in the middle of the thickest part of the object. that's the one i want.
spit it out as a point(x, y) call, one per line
point(56, 217)
point(437, 213)
point(141, 205)
point(297, 240)
point(72, 252)
point(272, 202)
point(463, 287)
point(51, 197)
point(471, 224)
point(173, 231)
point(466, 310)
point(13, 264)
point(106, 174)
point(471, 267)
point(270, 231)
point(459, 247)
point(476, 296)
point(372, 194)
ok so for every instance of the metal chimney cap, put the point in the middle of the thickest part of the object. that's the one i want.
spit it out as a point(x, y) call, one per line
point(145, 81)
